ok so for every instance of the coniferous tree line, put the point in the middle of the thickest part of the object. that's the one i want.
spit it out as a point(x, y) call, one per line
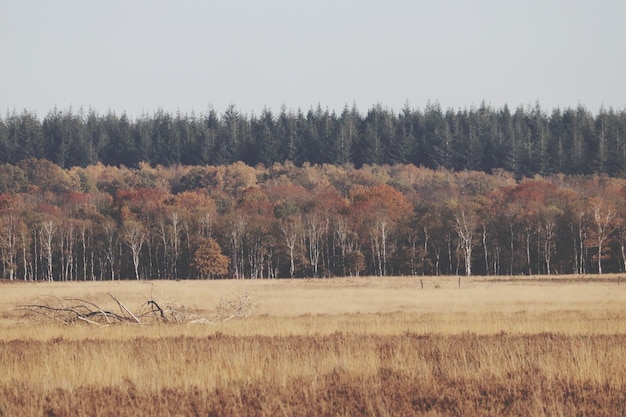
point(524, 141)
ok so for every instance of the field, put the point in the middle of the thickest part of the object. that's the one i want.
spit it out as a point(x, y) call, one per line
point(513, 346)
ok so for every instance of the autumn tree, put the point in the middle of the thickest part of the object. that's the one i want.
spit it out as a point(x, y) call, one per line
point(288, 203)
point(376, 211)
point(258, 240)
point(46, 176)
point(196, 214)
point(209, 261)
point(320, 213)
point(147, 207)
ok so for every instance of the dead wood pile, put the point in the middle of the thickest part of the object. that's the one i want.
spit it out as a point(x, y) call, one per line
point(67, 310)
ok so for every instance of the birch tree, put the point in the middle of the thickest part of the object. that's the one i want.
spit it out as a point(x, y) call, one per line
point(48, 230)
point(291, 229)
point(134, 235)
point(603, 215)
point(465, 222)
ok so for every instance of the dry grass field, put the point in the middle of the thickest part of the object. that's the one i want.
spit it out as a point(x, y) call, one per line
point(343, 347)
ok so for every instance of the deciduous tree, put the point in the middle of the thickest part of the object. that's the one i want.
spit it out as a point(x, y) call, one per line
point(209, 261)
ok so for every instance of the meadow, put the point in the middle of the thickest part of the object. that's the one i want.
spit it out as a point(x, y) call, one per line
point(507, 346)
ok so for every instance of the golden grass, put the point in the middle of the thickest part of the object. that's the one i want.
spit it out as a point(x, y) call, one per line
point(339, 374)
point(366, 346)
point(359, 305)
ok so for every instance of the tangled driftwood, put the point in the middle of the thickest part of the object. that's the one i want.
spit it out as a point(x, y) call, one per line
point(67, 310)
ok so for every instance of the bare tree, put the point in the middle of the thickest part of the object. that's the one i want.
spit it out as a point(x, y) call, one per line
point(134, 237)
point(8, 243)
point(291, 228)
point(603, 215)
point(48, 229)
point(315, 228)
point(465, 224)
point(237, 231)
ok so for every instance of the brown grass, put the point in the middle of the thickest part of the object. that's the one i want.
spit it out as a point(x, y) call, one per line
point(353, 347)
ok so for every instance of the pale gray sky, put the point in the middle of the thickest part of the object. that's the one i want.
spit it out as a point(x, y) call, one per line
point(141, 55)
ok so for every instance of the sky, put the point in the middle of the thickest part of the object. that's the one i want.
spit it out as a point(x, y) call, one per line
point(140, 56)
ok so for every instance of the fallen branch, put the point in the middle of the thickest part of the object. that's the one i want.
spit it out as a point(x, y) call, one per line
point(157, 307)
point(105, 314)
point(89, 321)
point(69, 311)
point(123, 308)
point(75, 310)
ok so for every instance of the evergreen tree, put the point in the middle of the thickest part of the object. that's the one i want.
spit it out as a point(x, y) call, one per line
point(408, 130)
point(265, 141)
point(79, 152)
point(187, 128)
point(347, 134)
point(6, 147)
point(121, 144)
point(540, 138)
point(488, 134)
point(286, 135)
point(577, 137)
point(369, 147)
point(394, 144)
point(94, 137)
point(141, 140)
point(55, 137)
point(526, 142)
point(206, 139)
point(608, 143)
point(164, 137)
point(435, 141)
point(615, 136)
point(523, 150)
point(228, 141)
point(329, 136)
point(558, 150)
point(312, 147)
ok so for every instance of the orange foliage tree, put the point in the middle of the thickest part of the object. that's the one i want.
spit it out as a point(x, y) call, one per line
point(376, 211)
point(209, 261)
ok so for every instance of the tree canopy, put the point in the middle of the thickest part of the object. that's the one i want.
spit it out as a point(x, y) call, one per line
point(103, 222)
point(525, 141)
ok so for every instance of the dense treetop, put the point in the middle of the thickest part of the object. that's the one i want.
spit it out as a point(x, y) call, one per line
point(107, 222)
point(294, 194)
point(524, 141)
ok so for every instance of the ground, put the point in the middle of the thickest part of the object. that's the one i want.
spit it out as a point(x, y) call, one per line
point(345, 346)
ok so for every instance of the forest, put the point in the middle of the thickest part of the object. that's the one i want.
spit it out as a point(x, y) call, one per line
point(108, 222)
point(525, 141)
